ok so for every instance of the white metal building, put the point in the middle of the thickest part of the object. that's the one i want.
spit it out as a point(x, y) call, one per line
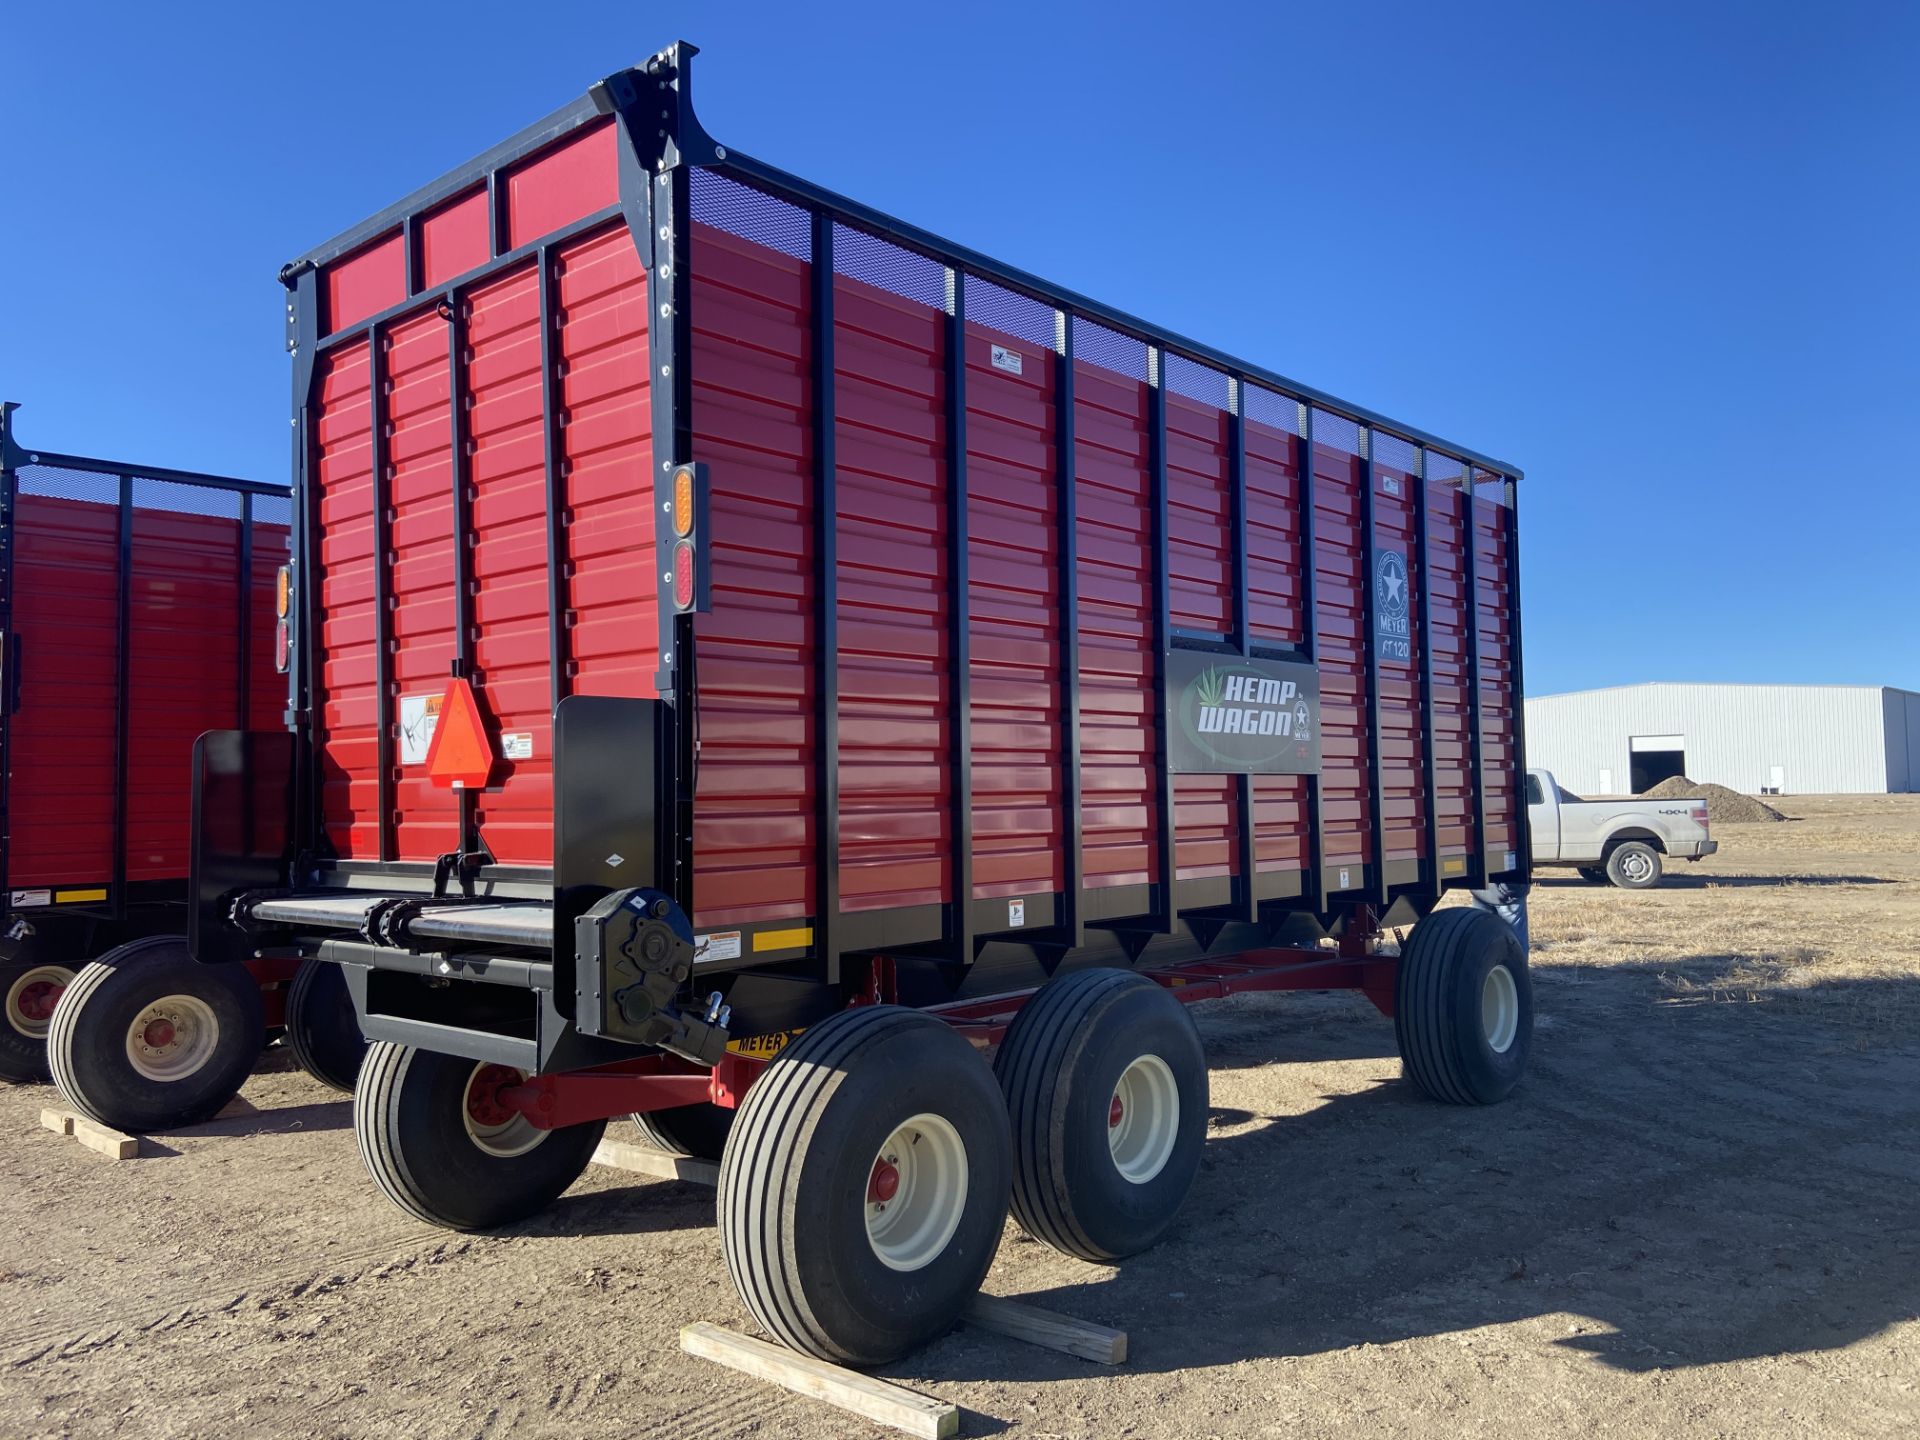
point(1781, 739)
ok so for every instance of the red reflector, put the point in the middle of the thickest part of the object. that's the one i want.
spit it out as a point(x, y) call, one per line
point(282, 646)
point(460, 754)
point(683, 575)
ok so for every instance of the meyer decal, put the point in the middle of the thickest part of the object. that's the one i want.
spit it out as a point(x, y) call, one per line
point(1233, 714)
point(1391, 630)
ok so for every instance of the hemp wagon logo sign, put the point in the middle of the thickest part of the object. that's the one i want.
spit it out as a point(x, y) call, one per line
point(1233, 714)
point(1391, 632)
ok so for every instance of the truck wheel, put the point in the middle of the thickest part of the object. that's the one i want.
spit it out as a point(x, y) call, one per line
point(322, 1031)
point(1463, 1007)
point(31, 989)
point(864, 1187)
point(1106, 1085)
point(698, 1131)
point(1592, 874)
point(1634, 865)
point(146, 1038)
point(436, 1136)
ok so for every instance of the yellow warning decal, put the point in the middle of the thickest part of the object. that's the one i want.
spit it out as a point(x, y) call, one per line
point(1453, 865)
point(78, 897)
point(762, 1047)
point(795, 939)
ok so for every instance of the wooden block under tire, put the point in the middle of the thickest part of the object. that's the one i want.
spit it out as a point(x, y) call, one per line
point(1021, 1321)
point(884, 1403)
point(58, 1121)
point(95, 1136)
point(620, 1155)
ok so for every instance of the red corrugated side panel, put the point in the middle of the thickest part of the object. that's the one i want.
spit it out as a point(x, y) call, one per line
point(1013, 605)
point(60, 743)
point(1341, 588)
point(1453, 765)
point(1403, 781)
point(759, 711)
point(609, 583)
point(1200, 557)
point(1494, 606)
point(1275, 616)
point(1120, 798)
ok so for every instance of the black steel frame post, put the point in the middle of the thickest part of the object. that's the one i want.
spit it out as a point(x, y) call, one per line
point(556, 500)
point(1310, 650)
point(1067, 499)
point(1523, 815)
point(382, 596)
point(1167, 831)
point(462, 528)
point(960, 617)
point(10, 653)
point(1431, 783)
point(123, 679)
point(244, 670)
point(1247, 902)
point(303, 342)
point(1476, 722)
point(826, 620)
point(1370, 638)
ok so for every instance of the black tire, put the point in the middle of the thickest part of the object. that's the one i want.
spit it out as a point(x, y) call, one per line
point(1593, 874)
point(795, 1185)
point(410, 1116)
point(1441, 1007)
point(322, 1030)
point(216, 1030)
point(1633, 865)
point(28, 990)
point(1060, 1067)
point(697, 1131)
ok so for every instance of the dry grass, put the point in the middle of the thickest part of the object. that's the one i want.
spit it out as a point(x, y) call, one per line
point(1822, 912)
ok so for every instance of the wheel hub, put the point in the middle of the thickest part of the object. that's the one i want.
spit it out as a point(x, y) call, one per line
point(38, 999)
point(31, 999)
point(916, 1192)
point(1143, 1119)
point(172, 1038)
point(1499, 1009)
point(493, 1125)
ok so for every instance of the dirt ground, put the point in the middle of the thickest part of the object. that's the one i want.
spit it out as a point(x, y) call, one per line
point(1696, 1217)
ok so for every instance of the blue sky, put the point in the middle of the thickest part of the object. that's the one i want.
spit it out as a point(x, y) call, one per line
point(1664, 257)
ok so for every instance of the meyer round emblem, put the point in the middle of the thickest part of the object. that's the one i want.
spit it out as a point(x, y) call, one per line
point(1390, 584)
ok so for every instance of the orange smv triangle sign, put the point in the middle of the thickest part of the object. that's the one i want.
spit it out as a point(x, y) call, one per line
point(460, 754)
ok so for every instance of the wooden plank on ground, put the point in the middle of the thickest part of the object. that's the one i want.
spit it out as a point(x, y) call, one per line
point(58, 1121)
point(643, 1160)
point(110, 1143)
point(880, 1401)
point(1022, 1321)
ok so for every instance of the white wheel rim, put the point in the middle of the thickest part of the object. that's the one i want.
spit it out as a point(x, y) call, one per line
point(1499, 1009)
point(173, 1038)
point(27, 1009)
point(500, 1132)
point(916, 1192)
point(1143, 1119)
point(1637, 865)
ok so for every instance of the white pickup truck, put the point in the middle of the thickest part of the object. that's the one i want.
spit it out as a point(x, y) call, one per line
point(1616, 841)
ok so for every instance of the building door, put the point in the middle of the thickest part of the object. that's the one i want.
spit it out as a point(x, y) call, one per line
point(1606, 783)
point(1777, 780)
point(1656, 758)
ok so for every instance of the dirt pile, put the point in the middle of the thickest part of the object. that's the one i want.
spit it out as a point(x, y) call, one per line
point(1724, 806)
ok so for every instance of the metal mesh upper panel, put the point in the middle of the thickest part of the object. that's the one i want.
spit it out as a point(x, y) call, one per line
point(751, 214)
point(1017, 315)
point(1392, 450)
point(185, 499)
point(879, 263)
point(62, 484)
point(1098, 345)
point(1195, 381)
point(1336, 432)
point(1282, 412)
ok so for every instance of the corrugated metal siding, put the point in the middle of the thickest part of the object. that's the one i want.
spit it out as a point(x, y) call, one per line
point(1827, 739)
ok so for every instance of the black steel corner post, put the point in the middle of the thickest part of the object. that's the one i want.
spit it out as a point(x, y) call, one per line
point(659, 140)
point(1310, 651)
point(462, 529)
point(123, 679)
point(382, 596)
point(1168, 918)
point(1067, 503)
point(243, 670)
point(556, 498)
point(1523, 816)
point(1370, 634)
point(1247, 906)
point(1431, 791)
point(9, 647)
point(1476, 721)
point(959, 617)
point(826, 619)
point(303, 343)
